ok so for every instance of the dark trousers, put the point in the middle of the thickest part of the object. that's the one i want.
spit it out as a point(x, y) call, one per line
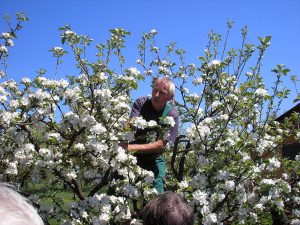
point(158, 167)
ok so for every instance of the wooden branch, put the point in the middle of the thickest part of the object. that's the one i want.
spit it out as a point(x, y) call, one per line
point(73, 184)
point(103, 182)
point(179, 174)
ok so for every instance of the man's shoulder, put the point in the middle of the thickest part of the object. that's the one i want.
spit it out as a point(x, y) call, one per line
point(141, 100)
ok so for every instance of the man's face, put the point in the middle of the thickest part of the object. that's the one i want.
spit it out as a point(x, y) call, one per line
point(160, 95)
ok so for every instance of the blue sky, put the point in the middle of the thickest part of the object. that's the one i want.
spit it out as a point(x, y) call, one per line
point(186, 22)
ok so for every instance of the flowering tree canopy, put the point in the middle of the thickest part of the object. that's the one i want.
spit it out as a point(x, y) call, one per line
point(62, 136)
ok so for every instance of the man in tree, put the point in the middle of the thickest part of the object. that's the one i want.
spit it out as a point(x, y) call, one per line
point(149, 154)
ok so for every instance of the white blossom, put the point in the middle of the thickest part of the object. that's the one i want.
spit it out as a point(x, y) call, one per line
point(72, 94)
point(129, 136)
point(129, 190)
point(87, 120)
point(223, 175)
point(204, 131)
point(2, 91)
point(7, 117)
point(98, 129)
point(104, 218)
point(169, 120)
point(200, 197)
point(6, 35)
point(214, 64)
point(54, 135)
point(229, 185)
point(134, 72)
point(185, 90)
point(194, 97)
point(101, 76)
point(57, 49)
point(224, 117)
point(46, 153)
point(298, 134)
point(210, 219)
point(72, 117)
point(40, 95)
point(135, 222)
point(69, 33)
point(154, 48)
point(121, 155)
point(79, 146)
point(280, 204)
point(63, 83)
point(295, 222)
point(197, 81)
point(216, 104)
point(259, 206)
point(274, 163)
point(29, 147)
point(96, 146)
point(268, 181)
point(3, 49)
point(148, 72)
point(71, 174)
point(183, 184)
point(12, 168)
point(207, 121)
point(148, 175)
point(26, 80)
point(152, 123)
point(122, 106)
point(10, 43)
point(164, 70)
point(103, 94)
point(25, 101)
point(14, 104)
point(261, 92)
point(139, 122)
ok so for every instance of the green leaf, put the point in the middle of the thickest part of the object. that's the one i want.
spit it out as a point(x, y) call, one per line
point(267, 39)
point(297, 99)
point(202, 58)
point(285, 71)
point(63, 40)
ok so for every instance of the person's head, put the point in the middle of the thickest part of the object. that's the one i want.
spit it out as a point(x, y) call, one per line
point(15, 210)
point(168, 208)
point(163, 90)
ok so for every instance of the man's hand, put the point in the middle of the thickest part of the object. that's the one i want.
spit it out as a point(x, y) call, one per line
point(124, 145)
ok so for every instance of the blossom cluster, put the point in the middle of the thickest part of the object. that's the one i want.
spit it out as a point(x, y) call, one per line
point(54, 132)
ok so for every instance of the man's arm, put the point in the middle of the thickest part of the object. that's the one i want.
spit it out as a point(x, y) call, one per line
point(153, 147)
point(159, 145)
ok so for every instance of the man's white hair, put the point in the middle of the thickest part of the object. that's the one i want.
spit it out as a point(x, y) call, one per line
point(15, 209)
point(170, 84)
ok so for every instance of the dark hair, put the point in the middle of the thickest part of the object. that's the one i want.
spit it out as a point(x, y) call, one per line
point(168, 208)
